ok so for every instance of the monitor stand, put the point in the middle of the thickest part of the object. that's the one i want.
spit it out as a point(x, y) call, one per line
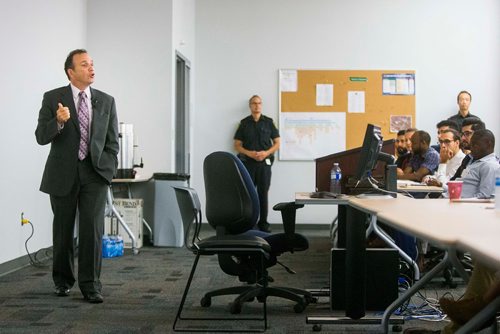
point(390, 184)
point(391, 179)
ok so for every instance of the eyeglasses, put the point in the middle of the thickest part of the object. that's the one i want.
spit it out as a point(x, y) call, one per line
point(445, 141)
point(467, 133)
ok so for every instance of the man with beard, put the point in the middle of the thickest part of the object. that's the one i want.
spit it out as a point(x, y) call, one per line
point(424, 160)
point(400, 145)
point(469, 126)
point(404, 159)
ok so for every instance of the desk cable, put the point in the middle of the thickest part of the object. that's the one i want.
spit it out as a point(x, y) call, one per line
point(373, 182)
point(33, 260)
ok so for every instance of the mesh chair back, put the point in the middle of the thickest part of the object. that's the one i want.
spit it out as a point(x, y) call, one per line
point(231, 199)
point(190, 209)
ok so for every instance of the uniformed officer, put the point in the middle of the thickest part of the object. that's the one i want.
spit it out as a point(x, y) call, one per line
point(256, 140)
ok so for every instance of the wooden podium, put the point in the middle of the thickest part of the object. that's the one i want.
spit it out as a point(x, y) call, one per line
point(348, 161)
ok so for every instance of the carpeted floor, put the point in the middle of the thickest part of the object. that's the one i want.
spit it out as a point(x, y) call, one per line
point(142, 292)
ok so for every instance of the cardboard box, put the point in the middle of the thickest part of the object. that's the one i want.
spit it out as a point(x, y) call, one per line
point(131, 212)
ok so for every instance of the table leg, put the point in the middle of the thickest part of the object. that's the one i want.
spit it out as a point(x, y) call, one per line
point(411, 291)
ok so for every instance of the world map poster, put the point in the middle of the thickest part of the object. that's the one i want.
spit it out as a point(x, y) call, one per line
point(310, 135)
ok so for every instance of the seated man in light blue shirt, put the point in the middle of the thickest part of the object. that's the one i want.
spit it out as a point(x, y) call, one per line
point(479, 177)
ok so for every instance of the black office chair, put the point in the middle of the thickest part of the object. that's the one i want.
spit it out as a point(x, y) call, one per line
point(232, 210)
point(190, 209)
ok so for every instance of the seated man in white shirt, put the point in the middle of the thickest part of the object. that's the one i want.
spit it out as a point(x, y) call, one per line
point(450, 158)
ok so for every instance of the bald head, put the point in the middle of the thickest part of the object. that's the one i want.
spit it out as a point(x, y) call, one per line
point(482, 143)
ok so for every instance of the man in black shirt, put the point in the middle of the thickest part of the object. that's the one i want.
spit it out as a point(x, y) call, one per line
point(256, 140)
point(463, 100)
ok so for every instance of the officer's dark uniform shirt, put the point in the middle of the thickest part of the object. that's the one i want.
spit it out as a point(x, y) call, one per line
point(459, 119)
point(257, 136)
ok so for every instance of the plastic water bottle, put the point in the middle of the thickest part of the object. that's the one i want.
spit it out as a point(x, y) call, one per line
point(335, 178)
point(497, 190)
point(119, 246)
point(107, 247)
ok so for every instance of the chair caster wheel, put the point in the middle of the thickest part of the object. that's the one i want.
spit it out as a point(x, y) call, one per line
point(316, 328)
point(235, 308)
point(397, 328)
point(206, 301)
point(299, 308)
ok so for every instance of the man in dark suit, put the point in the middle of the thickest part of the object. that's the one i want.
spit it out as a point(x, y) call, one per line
point(81, 125)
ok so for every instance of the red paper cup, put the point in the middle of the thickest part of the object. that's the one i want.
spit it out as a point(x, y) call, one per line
point(454, 189)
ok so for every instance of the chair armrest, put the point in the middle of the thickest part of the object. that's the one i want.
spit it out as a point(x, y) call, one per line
point(288, 215)
point(287, 206)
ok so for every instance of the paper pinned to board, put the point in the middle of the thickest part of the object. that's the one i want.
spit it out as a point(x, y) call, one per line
point(324, 94)
point(356, 101)
point(288, 80)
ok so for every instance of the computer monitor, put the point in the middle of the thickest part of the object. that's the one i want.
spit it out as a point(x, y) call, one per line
point(372, 144)
point(371, 154)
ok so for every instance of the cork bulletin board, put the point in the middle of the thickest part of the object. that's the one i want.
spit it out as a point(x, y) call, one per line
point(350, 99)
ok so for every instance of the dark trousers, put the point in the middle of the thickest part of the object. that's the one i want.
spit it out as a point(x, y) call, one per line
point(260, 173)
point(406, 242)
point(88, 198)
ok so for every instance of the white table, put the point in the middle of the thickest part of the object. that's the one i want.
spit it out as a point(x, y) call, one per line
point(450, 225)
point(472, 227)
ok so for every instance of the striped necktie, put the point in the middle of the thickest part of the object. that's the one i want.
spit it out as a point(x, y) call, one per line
point(83, 120)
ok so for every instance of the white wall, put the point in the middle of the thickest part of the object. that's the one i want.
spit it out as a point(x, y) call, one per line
point(35, 41)
point(240, 45)
point(132, 44)
point(236, 49)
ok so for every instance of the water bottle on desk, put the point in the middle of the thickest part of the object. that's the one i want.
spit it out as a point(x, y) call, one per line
point(335, 178)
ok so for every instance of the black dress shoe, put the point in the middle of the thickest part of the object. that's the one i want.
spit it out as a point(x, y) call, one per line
point(93, 297)
point(61, 291)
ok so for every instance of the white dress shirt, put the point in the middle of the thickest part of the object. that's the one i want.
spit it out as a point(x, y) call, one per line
point(446, 170)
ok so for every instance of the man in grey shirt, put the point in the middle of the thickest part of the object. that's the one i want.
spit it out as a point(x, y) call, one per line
point(479, 177)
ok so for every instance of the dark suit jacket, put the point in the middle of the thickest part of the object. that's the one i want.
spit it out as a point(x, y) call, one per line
point(62, 163)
